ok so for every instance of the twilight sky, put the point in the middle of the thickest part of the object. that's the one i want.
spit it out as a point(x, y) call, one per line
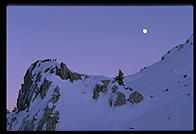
point(95, 40)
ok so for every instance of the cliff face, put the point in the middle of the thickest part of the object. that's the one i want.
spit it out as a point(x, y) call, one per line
point(55, 98)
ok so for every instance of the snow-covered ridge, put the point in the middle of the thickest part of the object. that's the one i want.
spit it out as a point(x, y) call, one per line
point(53, 97)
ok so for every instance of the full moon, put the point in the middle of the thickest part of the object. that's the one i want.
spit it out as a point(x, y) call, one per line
point(145, 31)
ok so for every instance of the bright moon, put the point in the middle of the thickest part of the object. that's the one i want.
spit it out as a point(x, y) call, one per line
point(145, 31)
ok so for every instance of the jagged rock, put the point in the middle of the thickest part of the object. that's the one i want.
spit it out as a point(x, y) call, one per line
point(74, 76)
point(121, 100)
point(96, 91)
point(98, 88)
point(49, 119)
point(34, 65)
point(38, 77)
point(46, 60)
point(47, 70)
point(45, 118)
point(105, 85)
point(52, 71)
point(114, 89)
point(64, 73)
point(135, 97)
point(51, 123)
point(25, 92)
point(55, 95)
point(27, 125)
point(44, 87)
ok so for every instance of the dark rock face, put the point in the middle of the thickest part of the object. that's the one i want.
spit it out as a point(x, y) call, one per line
point(38, 77)
point(121, 100)
point(96, 91)
point(64, 73)
point(114, 89)
point(98, 88)
point(25, 93)
point(51, 123)
point(47, 70)
point(29, 88)
point(52, 71)
point(49, 119)
point(135, 97)
point(55, 95)
point(44, 87)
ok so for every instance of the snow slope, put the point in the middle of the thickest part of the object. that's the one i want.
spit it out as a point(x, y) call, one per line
point(166, 87)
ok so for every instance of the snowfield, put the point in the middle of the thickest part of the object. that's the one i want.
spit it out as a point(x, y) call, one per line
point(166, 87)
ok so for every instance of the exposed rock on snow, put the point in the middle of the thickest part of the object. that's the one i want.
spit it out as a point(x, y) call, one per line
point(64, 73)
point(121, 100)
point(100, 88)
point(114, 89)
point(44, 87)
point(25, 93)
point(135, 97)
point(55, 95)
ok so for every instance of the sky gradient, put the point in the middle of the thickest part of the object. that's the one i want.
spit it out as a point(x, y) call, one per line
point(95, 40)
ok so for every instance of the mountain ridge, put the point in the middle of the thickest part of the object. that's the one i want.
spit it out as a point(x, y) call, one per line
point(53, 97)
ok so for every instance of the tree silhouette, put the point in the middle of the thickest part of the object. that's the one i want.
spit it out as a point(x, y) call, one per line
point(119, 78)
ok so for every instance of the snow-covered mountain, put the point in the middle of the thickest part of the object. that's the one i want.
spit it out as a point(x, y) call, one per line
point(159, 97)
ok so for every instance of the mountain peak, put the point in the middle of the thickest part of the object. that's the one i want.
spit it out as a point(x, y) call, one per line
point(55, 98)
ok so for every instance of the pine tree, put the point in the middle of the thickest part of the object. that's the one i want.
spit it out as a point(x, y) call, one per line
point(119, 78)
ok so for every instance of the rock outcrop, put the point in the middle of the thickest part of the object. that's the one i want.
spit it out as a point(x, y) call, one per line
point(114, 89)
point(121, 99)
point(100, 88)
point(44, 87)
point(25, 93)
point(64, 73)
point(135, 97)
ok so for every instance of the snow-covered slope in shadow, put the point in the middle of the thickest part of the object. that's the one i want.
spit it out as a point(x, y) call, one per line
point(168, 90)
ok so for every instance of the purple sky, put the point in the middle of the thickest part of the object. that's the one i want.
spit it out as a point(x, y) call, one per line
point(91, 39)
